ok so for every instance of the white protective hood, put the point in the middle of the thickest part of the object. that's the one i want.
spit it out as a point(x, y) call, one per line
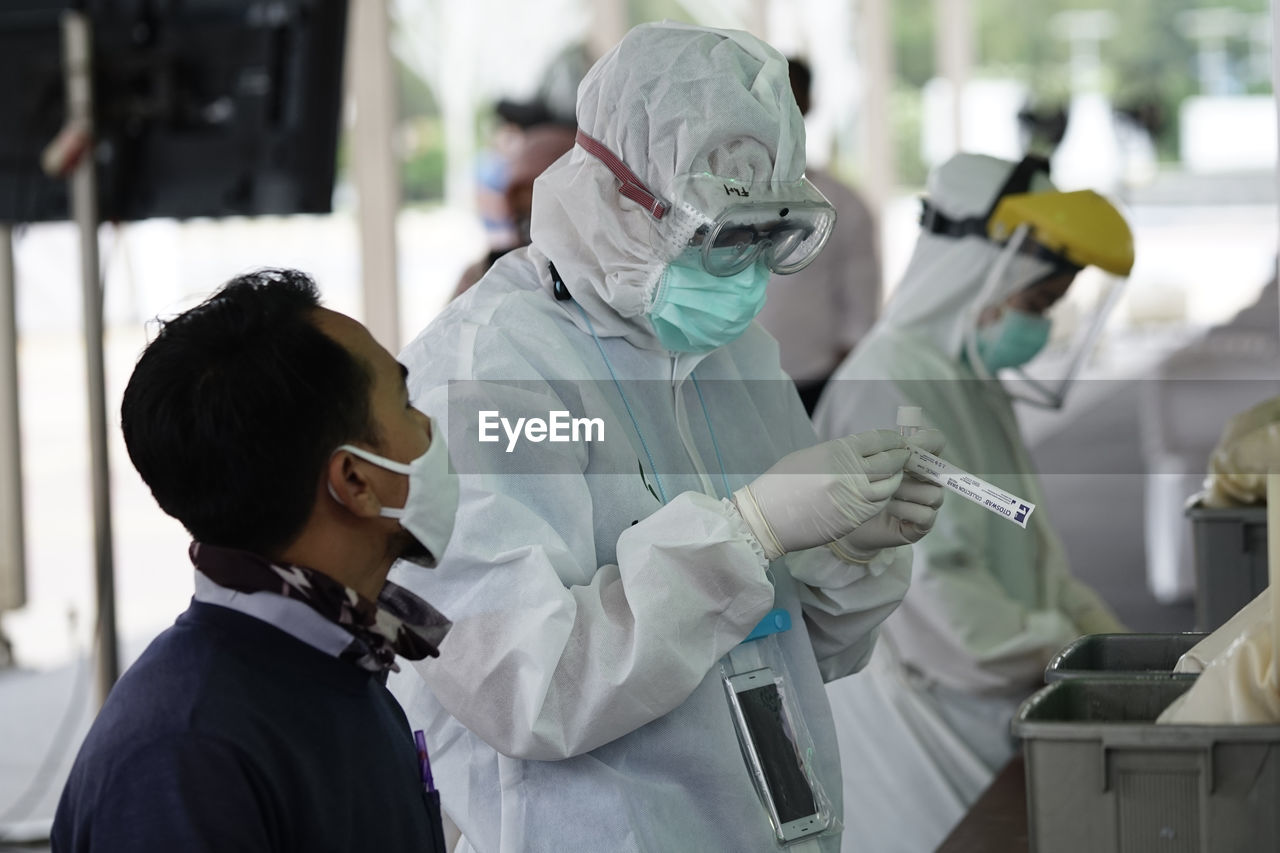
point(668, 100)
point(937, 298)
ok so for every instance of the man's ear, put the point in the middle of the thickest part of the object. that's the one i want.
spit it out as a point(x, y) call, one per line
point(349, 484)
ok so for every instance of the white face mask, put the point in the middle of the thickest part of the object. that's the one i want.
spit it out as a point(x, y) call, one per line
point(432, 503)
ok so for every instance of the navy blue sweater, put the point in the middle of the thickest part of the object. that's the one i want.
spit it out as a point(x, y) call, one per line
point(230, 735)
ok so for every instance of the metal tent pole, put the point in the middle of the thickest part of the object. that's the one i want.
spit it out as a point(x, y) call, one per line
point(13, 587)
point(372, 82)
point(78, 59)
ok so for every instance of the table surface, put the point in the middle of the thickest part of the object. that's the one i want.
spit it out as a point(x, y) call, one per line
point(997, 822)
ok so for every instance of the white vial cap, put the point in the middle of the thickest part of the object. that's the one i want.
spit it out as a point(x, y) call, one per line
point(910, 416)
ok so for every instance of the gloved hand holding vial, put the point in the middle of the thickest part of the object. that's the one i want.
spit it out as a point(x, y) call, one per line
point(935, 469)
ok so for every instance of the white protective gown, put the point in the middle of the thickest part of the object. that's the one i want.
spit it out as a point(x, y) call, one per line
point(577, 704)
point(990, 603)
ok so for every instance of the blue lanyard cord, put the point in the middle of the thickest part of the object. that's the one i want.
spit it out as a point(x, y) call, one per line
point(657, 478)
point(724, 478)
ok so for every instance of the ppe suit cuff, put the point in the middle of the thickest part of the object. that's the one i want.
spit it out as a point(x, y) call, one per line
point(735, 516)
point(849, 553)
point(1098, 620)
point(745, 507)
point(1085, 609)
point(1052, 628)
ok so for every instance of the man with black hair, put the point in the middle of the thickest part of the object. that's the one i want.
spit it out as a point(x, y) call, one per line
point(281, 435)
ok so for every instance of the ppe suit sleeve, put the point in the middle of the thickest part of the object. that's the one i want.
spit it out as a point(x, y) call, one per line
point(552, 654)
point(1085, 608)
point(845, 603)
point(993, 639)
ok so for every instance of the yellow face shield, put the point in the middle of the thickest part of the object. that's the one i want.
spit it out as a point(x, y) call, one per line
point(1072, 230)
point(1082, 227)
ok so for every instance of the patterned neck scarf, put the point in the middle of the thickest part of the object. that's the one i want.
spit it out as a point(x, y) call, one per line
point(398, 623)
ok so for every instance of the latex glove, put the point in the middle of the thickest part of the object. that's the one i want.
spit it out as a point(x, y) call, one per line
point(819, 494)
point(908, 516)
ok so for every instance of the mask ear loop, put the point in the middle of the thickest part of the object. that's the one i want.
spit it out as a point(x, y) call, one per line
point(680, 228)
point(372, 458)
point(989, 289)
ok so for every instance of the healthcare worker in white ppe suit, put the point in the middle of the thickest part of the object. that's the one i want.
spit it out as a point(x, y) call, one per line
point(990, 602)
point(597, 589)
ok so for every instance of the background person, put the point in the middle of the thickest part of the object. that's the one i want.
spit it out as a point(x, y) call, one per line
point(597, 588)
point(523, 143)
point(530, 154)
point(989, 603)
point(274, 430)
point(819, 313)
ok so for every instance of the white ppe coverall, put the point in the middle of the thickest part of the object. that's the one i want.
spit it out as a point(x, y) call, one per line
point(990, 603)
point(578, 704)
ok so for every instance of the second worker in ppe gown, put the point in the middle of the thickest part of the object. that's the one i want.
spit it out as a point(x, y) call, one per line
point(990, 602)
point(580, 706)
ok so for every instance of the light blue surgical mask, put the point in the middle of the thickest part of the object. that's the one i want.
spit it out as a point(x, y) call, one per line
point(698, 312)
point(1012, 340)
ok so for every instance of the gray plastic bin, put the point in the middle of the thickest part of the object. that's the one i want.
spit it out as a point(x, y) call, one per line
point(1122, 656)
point(1102, 777)
point(1231, 560)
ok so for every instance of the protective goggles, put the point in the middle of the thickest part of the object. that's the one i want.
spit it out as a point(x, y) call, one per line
point(739, 223)
point(729, 223)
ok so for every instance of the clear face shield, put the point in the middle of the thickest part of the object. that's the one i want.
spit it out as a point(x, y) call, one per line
point(1047, 238)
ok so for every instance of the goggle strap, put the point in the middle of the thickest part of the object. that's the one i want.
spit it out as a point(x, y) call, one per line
point(1020, 179)
point(630, 186)
point(1018, 182)
point(936, 222)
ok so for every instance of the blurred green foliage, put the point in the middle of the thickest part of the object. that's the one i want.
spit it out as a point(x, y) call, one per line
point(421, 139)
point(1149, 64)
point(422, 166)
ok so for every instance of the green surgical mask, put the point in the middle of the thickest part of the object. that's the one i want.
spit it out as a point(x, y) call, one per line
point(698, 312)
point(1012, 340)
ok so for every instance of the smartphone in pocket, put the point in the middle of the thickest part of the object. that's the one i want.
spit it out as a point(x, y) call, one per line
point(769, 745)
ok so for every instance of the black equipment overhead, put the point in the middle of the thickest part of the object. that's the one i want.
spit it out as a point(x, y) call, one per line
point(203, 107)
